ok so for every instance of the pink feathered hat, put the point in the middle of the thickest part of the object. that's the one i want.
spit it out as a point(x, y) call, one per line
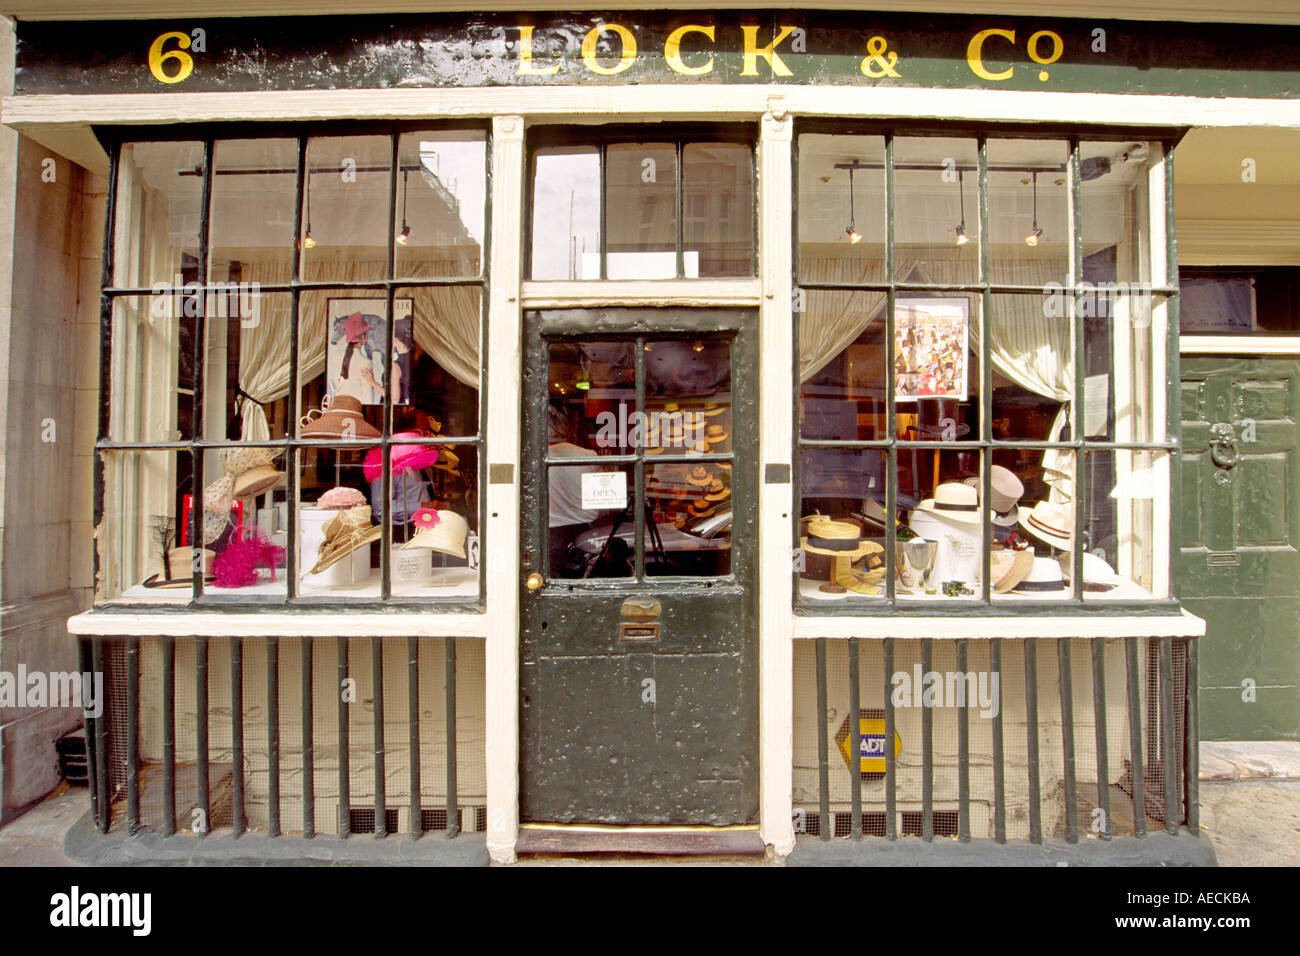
point(405, 457)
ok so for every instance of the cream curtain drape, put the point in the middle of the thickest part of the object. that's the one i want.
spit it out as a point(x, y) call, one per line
point(448, 331)
point(1027, 346)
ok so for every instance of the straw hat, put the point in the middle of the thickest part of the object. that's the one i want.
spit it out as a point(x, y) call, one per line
point(405, 457)
point(443, 531)
point(700, 476)
point(338, 417)
point(347, 531)
point(251, 470)
point(180, 564)
point(836, 539)
point(864, 573)
point(1009, 568)
point(1044, 578)
point(713, 408)
point(717, 491)
point(716, 434)
point(1048, 522)
point(954, 501)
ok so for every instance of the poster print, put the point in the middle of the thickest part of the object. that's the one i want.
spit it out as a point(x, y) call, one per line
point(931, 338)
point(356, 340)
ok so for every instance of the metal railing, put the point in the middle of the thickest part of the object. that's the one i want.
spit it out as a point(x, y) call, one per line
point(205, 734)
point(1043, 739)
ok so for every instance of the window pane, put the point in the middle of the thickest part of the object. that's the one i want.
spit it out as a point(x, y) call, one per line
point(153, 367)
point(1122, 391)
point(345, 222)
point(1045, 529)
point(1033, 370)
point(591, 542)
point(1116, 214)
point(938, 491)
point(593, 399)
point(246, 373)
point(338, 524)
point(718, 207)
point(434, 518)
point(1029, 229)
point(159, 209)
point(936, 367)
point(342, 339)
point(1127, 490)
point(566, 216)
point(842, 365)
point(936, 210)
point(254, 183)
point(691, 509)
point(832, 204)
point(442, 204)
point(436, 380)
point(641, 212)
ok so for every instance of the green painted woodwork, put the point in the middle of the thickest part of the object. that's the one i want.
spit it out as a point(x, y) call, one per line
point(1240, 527)
point(593, 748)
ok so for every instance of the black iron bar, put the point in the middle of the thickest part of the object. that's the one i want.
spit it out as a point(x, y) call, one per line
point(927, 748)
point(1137, 765)
point(999, 755)
point(891, 767)
point(377, 685)
point(453, 809)
point(1067, 738)
point(133, 735)
point(343, 692)
point(169, 735)
point(823, 766)
point(1099, 723)
point(1191, 743)
point(1168, 771)
point(1031, 740)
point(273, 736)
point(201, 743)
point(963, 748)
point(413, 728)
point(855, 740)
point(308, 742)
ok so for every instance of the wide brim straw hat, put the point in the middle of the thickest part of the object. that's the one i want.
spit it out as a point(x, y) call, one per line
point(717, 491)
point(715, 434)
point(1044, 577)
point(347, 531)
point(405, 457)
point(712, 409)
point(251, 471)
point(954, 501)
point(1048, 522)
point(863, 573)
point(446, 535)
point(1009, 568)
point(339, 417)
point(180, 562)
point(700, 477)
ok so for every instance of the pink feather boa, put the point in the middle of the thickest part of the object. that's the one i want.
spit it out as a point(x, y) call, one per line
point(236, 566)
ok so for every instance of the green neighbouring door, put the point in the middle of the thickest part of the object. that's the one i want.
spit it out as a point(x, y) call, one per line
point(1241, 524)
point(639, 684)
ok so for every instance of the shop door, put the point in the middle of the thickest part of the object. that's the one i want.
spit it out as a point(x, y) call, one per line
point(1241, 524)
point(638, 601)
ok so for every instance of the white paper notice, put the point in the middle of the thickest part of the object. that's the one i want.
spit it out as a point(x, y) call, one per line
point(604, 490)
point(1096, 389)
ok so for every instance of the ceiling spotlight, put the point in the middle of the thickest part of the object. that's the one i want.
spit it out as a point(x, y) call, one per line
point(962, 238)
point(405, 234)
point(854, 236)
point(851, 230)
point(1033, 237)
point(307, 241)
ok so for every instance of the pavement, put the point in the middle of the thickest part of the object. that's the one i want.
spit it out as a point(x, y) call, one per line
point(1250, 808)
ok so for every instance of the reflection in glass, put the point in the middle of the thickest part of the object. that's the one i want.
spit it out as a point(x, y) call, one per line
point(592, 399)
point(1115, 214)
point(566, 216)
point(826, 209)
point(718, 208)
point(1029, 239)
point(590, 525)
point(441, 204)
point(345, 219)
point(641, 213)
point(936, 210)
point(254, 183)
point(688, 519)
point(159, 212)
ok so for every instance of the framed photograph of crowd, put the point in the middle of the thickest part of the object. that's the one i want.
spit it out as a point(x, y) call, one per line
point(931, 339)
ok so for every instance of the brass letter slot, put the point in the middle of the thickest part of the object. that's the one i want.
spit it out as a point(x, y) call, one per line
point(642, 609)
point(638, 632)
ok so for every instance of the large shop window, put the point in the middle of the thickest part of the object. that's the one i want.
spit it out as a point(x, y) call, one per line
point(642, 205)
point(981, 361)
point(293, 405)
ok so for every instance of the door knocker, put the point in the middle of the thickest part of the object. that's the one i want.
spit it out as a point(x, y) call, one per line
point(1223, 450)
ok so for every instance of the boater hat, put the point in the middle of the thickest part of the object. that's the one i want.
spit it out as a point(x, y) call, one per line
point(1048, 522)
point(954, 501)
point(836, 539)
point(700, 476)
point(347, 531)
point(717, 491)
point(443, 531)
point(338, 417)
point(716, 434)
point(861, 575)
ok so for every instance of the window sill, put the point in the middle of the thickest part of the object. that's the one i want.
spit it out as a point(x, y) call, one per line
point(104, 622)
point(1023, 625)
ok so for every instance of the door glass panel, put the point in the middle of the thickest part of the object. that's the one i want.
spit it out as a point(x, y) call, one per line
point(591, 523)
point(691, 508)
point(592, 402)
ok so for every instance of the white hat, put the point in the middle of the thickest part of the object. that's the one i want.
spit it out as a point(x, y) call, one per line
point(1044, 578)
point(443, 531)
point(954, 501)
point(1097, 574)
point(1049, 522)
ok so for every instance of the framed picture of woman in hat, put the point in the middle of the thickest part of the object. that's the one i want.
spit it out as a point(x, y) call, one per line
point(931, 340)
point(356, 342)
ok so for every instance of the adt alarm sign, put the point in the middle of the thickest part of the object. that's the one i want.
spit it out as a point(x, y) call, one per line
point(871, 752)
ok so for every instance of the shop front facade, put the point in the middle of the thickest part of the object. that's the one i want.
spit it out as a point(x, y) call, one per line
point(755, 432)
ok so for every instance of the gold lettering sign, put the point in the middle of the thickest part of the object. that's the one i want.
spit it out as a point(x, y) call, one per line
point(753, 51)
point(673, 50)
point(157, 57)
point(526, 67)
point(589, 49)
point(975, 54)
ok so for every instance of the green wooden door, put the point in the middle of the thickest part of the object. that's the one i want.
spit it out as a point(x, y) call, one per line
point(638, 682)
point(1241, 523)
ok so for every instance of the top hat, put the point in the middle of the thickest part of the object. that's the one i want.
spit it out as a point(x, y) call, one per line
point(1005, 493)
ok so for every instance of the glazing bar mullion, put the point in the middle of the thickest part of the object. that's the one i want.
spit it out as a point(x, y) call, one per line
point(891, 416)
point(198, 424)
point(986, 372)
point(681, 211)
point(106, 303)
point(1077, 428)
point(823, 745)
point(638, 467)
point(390, 334)
point(1173, 423)
point(290, 431)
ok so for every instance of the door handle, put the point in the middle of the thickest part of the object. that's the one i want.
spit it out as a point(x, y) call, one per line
point(1223, 445)
point(533, 582)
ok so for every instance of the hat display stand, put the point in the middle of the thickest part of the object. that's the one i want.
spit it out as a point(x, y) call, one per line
point(352, 571)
